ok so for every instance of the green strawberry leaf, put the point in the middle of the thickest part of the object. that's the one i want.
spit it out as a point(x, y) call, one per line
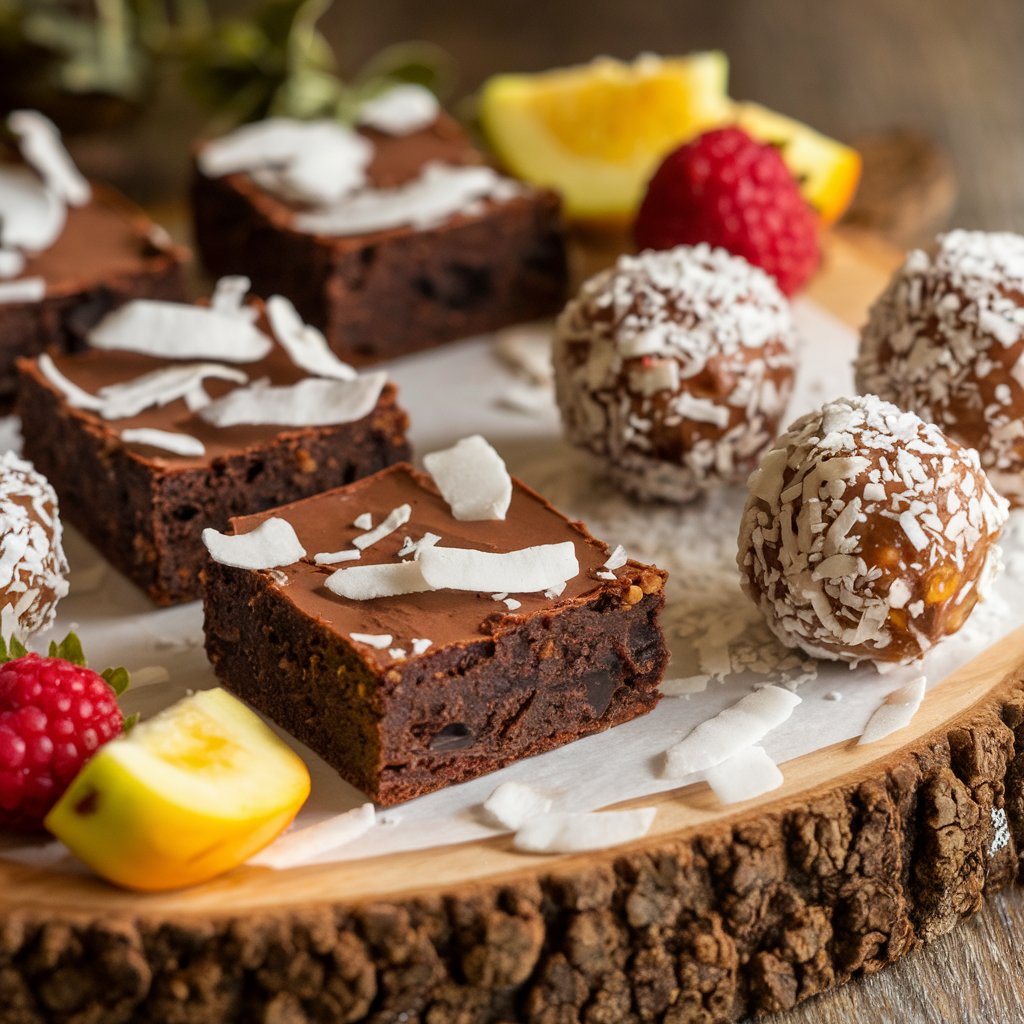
point(69, 649)
point(117, 679)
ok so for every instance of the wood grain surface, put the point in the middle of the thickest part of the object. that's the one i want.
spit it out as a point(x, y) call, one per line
point(854, 68)
point(865, 853)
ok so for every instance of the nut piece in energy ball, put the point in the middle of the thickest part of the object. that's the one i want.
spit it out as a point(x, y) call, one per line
point(868, 535)
point(946, 339)
point(33, 569)
point(674, 369)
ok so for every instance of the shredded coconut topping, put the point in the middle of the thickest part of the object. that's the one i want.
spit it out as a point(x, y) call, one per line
point(849, 518)
point(674, 368)
point(946, 339)
point(33, 569)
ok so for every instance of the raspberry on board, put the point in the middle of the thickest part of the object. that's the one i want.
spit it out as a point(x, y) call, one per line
point(54, 715)
point(728, 190)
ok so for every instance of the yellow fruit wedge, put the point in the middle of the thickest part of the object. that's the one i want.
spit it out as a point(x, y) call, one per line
point(597, 132)
point(186, 795)
point(827, 170)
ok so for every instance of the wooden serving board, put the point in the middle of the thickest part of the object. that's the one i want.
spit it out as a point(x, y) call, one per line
point(864, 854)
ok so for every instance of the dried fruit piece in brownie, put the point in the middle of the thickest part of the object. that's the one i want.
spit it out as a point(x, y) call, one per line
point(464, 645)
point(70, 251)
point(868, 535)
point(182, 416)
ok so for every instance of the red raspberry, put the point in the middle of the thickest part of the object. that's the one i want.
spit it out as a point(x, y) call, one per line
point(726, 189)
point(53, 717)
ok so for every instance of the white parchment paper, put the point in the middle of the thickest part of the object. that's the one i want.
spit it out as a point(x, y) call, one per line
point(720, 648)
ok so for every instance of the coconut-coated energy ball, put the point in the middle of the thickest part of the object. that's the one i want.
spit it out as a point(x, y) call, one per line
point(33, 569)
point(946, 339)
point(674, 369)
point(868, 535)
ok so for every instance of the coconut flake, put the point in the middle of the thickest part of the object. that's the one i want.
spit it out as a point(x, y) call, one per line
point(685, 685)
point(168, 440)
point(161, 387)
point(730, 731)
point(511, 603)
point(314, 402)
point(31, 216)
point(176, 330)
point(303, 845)
point(579, 832)
point(307, 347)
point(523, 571)
point(512, 804)
point(271, 544)
point(41, 147)
point(439, 192)
point(401, 110)
point(527, 348)
point(472, 478)
point(421, 644)
point(75, 396)
point(149, 675)
point(617, 559)
point(743, 776)
point(333, 557)
point(12, 263)
point(316, 161)
point(895, 712)
point(392, 521)
point(26, 289)
point(363, 521)
point(378, 640)
point(228, 297)
point(367, 582)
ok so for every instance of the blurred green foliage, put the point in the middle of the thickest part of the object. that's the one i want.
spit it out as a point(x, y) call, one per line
point(273, 60)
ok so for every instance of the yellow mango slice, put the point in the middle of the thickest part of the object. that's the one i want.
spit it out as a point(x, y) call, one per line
point(597, 132)
point(186, 795)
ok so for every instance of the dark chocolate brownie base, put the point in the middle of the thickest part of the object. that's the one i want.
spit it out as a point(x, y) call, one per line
point(107, 255)
point(398, 291)
point(29, 328)
point(147, 517)
point(459, 713)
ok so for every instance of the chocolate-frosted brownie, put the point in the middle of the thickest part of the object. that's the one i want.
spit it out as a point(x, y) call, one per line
point(144, 506)
point(406, 694)
point(108, 253)
point(498, 259)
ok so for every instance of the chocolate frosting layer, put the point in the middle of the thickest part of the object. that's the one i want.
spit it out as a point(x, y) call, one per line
point(107, 238)
point(94, 369)
point(397, 159)
point(324, 523)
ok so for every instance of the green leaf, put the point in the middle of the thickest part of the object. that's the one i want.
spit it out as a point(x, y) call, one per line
point(17, 648)
point(130, 721)
point(70, 649)
point(418, 62)
point(117, 679)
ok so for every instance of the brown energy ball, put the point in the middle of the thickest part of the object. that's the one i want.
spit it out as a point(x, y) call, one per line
point(33, 569)
point(868, 535)
point(674, 368)
point(946, 339)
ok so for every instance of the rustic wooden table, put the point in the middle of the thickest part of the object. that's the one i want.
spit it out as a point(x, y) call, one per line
point(852, 68)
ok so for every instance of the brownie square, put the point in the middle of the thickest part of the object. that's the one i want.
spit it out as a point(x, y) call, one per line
point(396, 291)
point(494, 685)
point(144, 508)
point(108, 253)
